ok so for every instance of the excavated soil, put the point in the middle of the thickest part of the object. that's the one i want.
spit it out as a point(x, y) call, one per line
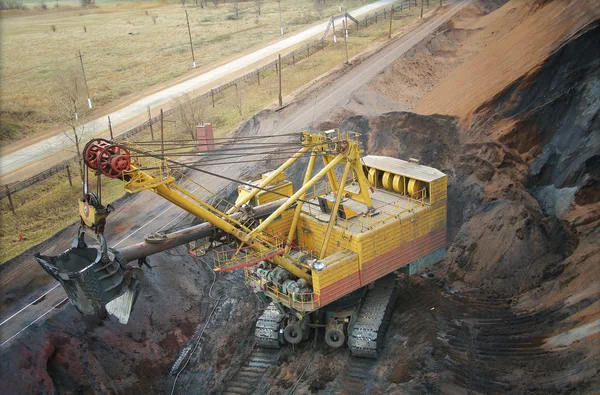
point(513, 308)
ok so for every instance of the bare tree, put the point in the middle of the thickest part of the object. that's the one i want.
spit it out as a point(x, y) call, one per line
point(258, 5)
point(191, 113)
point(237, 100)
point(68, 108)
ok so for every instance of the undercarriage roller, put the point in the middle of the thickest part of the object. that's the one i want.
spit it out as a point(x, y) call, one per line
point(335, 337)
point(293, 333)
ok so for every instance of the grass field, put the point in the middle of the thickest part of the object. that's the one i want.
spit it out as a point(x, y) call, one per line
point(59, 201)
point(127, 46)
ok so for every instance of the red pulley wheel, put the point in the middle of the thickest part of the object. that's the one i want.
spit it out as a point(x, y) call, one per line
point(114, 160)
point(92, 150)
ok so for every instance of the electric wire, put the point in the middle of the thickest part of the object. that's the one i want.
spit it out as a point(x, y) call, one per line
point(218, 301)
point(171, 161)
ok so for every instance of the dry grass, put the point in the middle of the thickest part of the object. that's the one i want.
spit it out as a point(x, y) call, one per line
point(125, 51)
point(51, 205)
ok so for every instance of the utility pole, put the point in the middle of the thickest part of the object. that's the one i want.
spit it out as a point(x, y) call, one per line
point(391, 18)
point(162, 138)
point(190, 34)
point(333, 27)
point(346, 40)
point(150, 123)
point(280, 96)
point(280, 19)
point(110, 129)
point(85, 81)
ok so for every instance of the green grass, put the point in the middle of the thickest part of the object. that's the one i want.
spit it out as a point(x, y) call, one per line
point(124, 50)
point(51, 205)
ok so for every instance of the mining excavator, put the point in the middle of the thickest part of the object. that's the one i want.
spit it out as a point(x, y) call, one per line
point(322, 255)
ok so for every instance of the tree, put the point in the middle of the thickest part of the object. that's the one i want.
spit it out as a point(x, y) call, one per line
point(191, 113)
point(258, 5)
point(69, 108)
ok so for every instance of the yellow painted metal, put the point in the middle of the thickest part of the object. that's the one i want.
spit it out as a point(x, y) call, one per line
point(334, 211)
point(246, 198)
point(387, 181)
point(292, 232)
point(373, 177)
point(415, 186)
point(89, 215)
point(398, 183)
point(295, 197)
point(170, 191)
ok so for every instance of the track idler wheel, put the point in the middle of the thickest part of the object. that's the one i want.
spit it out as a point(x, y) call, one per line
point(293, 333)
point(334, 337)
point(114, 161)
point(92, 150)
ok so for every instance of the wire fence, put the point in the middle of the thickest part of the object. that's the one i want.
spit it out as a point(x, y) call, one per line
point(288, 59)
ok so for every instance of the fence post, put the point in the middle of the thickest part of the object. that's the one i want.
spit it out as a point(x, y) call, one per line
point(212, 95)
point(280, 96)
point(10, 202)
point(376, 16)
point(258, 76)
point(69, 176)
point(294, 58)
point(391, 19)
point(308, 50)
point(150, 122)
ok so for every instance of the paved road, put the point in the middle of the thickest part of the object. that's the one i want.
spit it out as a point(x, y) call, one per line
point(45, 148)
point(133, 220)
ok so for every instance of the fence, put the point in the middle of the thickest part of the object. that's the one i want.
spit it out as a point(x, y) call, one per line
point(289, 58)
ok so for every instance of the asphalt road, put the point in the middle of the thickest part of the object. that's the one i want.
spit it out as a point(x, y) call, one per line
point(36, 152)
point(146, 213)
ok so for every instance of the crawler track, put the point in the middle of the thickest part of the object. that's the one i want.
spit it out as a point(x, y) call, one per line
point(248, 377)
point(367, 334)
point(357, 377)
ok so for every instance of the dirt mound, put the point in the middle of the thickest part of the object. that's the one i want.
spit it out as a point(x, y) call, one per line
point(507, 59)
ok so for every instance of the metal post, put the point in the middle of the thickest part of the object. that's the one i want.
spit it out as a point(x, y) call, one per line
point(258, 76)
point(85, 81)
point(346, 42)
point(190, 34)
point(280, 96)
point(150, 123)
point(69, 176)
point(421, 8)
point(308, 50)
point(294, 58)
point(333, 27)
point(162, 137)
point(212, 95)
point(391, 19)
point(10, 202)
point(280, 20)
point(110, 129)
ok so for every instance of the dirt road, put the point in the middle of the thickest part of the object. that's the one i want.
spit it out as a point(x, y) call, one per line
point(23, 283)
point(37, 152)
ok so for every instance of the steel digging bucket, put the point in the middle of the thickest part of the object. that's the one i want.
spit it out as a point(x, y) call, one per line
point(94, 278)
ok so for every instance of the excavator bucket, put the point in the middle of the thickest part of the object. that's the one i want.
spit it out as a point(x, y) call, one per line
point(94, 278)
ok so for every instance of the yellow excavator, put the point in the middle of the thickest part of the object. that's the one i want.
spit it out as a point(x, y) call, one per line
point(321, 254)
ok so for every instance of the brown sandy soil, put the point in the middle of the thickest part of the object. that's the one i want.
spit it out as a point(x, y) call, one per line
point(539, 33)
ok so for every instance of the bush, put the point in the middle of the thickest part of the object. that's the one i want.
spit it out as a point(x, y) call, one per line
point(44, 6)
point(12, 5)
point(85, 3)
